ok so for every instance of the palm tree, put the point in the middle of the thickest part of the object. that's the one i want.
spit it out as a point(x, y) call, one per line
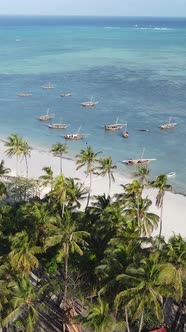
point(87, 158)
point(24, 304)
point(75, 192)
point(26, 153)
point(58, 149)
point(146, 285)
point(161, 184)
point(22, 255)
point(132, 192)
point(146, 221)
point(142, 172)
point(15, 148)
point(3, 170)
point(48, 177)
point(99, 318)
point(106, 167)
point(59, 192)
point(68, 240)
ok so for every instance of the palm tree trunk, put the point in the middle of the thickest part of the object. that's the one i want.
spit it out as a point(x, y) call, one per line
point(61, 166)
point(90, 186)
point(16, 166)
point(26, 162)
point(63, 302)
point(109, 185)
point(141, 321)
point(161, 219)
point(127, 320)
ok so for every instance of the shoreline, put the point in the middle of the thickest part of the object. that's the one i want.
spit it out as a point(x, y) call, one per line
point(174, 214)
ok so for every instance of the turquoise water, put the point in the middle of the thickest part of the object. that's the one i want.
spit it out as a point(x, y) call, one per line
point(135, 68)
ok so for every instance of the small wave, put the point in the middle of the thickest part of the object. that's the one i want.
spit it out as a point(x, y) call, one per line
point(153, 28)
point(112, 28)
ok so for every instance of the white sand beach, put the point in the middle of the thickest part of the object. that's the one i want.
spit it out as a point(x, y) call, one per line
point(174, 215)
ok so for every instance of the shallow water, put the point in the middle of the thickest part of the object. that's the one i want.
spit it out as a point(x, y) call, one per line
point(135, 68)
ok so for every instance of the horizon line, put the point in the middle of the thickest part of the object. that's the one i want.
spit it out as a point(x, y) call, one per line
point(84, 15)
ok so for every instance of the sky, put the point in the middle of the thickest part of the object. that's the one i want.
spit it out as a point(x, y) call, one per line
point(94, 7)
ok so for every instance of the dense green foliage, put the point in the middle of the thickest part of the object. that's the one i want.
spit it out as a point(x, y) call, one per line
point(99, 253)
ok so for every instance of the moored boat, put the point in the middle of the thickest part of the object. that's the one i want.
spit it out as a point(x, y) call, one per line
point(114, 126)
point(24, 95)
point(58, 125)
point(125, 133)
point(171, 174)
point(46, 117)
point(66, 94)
point(168, 125)
point(76, 136)
point(48, 87)
point(89, 103)
point(140, 161)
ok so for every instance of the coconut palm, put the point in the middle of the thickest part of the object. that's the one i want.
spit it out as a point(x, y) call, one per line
point(139, 211)
point(23, 253)
point(105, 169)
point(26, 152)
point(99, 318)
point(3, 170)
point(75, 192)
point(161, 184)
point(146, 285)
point(14, 143)
point(58, 150)
point(24, 304)
point(68, 239)
point(87, 158)
point(142, 173)
point(48, 177)
point(59, 192)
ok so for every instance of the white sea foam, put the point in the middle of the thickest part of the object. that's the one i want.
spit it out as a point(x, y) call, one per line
point(153, 28)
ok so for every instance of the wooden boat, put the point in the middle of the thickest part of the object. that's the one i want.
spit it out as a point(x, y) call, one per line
point(137, 162)
point(171, 174)
point(66, 94)
point(77, 136)
point(24, 95)
point(48, 87)
point(58, 126)
point(168, 125)
point(125, 134)
point(134, 162)
point(146, 130)
point(89, 103)
point(115, 126)
point(74, 136)
point(46, 117)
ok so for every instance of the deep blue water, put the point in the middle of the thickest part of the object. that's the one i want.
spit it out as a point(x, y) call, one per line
point(134, 67)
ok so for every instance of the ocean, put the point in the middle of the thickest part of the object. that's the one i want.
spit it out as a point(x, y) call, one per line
point(135, 67)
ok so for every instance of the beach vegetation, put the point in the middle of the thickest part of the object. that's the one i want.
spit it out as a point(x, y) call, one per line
point(88, 158)
point(58, 150)
point(73, 265)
